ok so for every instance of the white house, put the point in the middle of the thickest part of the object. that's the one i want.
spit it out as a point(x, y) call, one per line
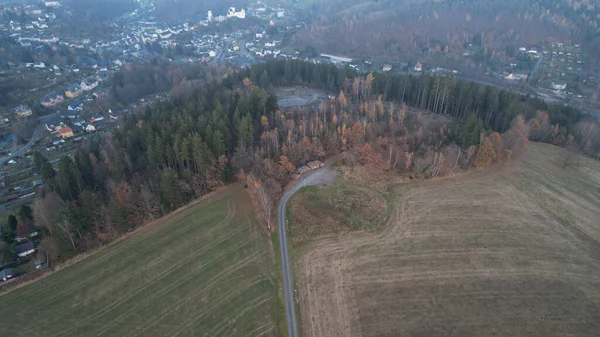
point(90, 128)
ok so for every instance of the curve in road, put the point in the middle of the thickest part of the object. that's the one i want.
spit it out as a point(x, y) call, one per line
point(322, 175)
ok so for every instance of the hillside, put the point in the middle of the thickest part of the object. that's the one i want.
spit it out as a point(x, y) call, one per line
point(406, 30)
point(206, 270)
point(509, 251)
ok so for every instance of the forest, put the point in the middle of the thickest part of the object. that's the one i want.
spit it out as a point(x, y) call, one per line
point(231, 128)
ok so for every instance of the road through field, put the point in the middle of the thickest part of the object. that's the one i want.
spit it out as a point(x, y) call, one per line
point(321, 176)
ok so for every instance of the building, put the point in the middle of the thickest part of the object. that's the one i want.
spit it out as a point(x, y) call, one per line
point(210, 16)
point(76, 105)
point(90, 128)
point(337, 59)
point(51, 99)
point(96, 118)
point(65, 132)
point(418, 67)
point(25, 249)
point(52, 3)
point(38, 182)
point(73, 90)
point(23, 111)
point(233, 14)
point(559, 86)
point(31, 232)
point(89, 83)
point(387, 67)
point(6, 274)
point(54, 124)
point(516, 77)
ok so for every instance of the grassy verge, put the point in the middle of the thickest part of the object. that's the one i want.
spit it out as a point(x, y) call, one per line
point(278, 277)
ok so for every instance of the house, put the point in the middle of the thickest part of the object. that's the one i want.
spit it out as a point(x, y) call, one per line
point(6, 274)
point(559, 86)
point(76, 105)
point(65, 132)
point(25, 249)
point(54, 124)
point(96, 118)
point(387, 67)
point(72, 115)
point(418, 67)
point(73, 90)
point(102, 75)
point(79, 122)
point(51, 99)
point(30, 232)
point(38, 182)
point(90, 128)
point(113, 115)
point(89, 83)
point(23, 111)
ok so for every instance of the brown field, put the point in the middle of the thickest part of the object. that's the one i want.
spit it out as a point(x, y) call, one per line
point(511, 251)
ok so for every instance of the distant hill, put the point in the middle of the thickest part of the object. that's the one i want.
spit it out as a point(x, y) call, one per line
point(398, 28)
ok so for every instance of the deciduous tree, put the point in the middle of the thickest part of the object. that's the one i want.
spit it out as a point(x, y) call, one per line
point(486, 154)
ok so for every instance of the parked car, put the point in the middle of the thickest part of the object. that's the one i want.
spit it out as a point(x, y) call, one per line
point(6, 274)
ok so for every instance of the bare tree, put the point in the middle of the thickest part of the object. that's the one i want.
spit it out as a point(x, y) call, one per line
point(47, 250)
point(266, 204)
point(45, 211)
point(471, 151)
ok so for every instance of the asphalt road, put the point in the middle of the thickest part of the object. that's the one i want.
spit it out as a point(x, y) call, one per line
point(321, 176)
point(22, 149)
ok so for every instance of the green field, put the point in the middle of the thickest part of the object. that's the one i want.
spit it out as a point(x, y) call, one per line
point(206, 271)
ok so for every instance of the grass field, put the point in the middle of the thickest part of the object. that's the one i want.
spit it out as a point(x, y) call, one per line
point(206, 271)
point(510, 251)
point(335, 208)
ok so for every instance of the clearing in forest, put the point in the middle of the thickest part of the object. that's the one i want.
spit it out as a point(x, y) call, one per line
point(204, 271)
point(509, 251)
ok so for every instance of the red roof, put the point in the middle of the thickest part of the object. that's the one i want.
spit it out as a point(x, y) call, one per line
point(65, 130)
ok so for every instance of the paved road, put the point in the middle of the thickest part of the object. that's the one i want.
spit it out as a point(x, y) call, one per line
point(24, 148)
point(320, 176)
